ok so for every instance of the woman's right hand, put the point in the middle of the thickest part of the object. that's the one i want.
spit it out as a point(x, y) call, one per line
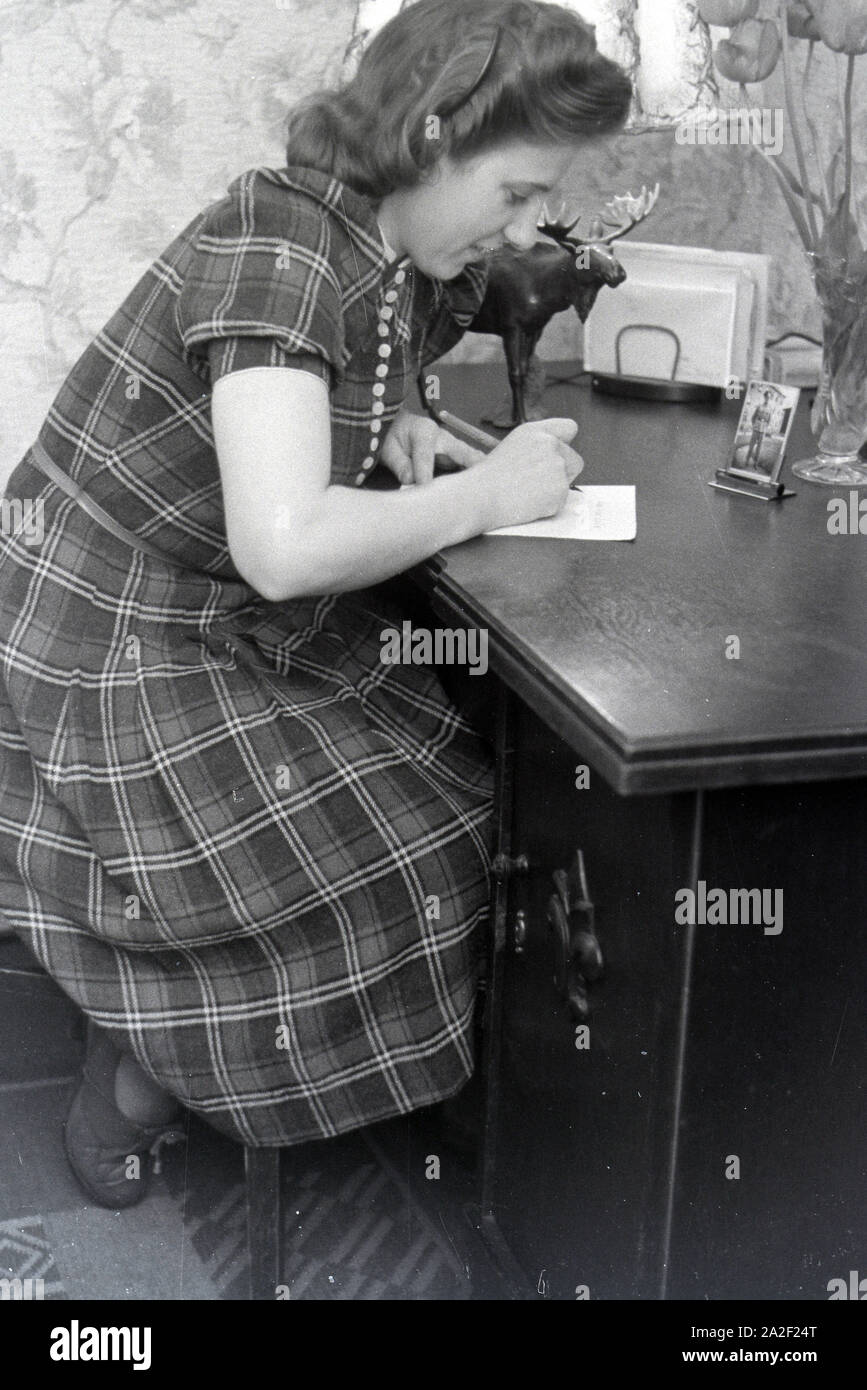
point(527, 475)
point(293, 533)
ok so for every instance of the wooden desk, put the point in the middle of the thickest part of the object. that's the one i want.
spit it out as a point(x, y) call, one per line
point(621, 646)
point(709, 1141)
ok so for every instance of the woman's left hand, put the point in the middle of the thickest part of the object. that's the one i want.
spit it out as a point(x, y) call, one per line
point(412, 443)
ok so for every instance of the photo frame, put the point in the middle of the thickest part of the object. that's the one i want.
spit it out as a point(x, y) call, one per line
point(759, 447)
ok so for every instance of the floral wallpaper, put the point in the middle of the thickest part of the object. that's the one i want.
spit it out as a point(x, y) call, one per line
point(122, 118)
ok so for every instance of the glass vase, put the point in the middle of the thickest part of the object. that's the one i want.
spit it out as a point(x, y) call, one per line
point(839, 415)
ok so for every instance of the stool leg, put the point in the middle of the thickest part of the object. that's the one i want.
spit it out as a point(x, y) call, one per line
point(264, 1222)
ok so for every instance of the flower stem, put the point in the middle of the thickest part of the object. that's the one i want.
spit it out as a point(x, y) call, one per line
point(796, 134)
point(847, 143)
point(791, 200)
point(824, 187)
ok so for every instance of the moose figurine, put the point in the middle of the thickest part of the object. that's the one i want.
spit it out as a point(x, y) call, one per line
point(526, 288)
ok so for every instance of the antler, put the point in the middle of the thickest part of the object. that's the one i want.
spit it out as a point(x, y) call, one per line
point(556, 227)
point(625, 212)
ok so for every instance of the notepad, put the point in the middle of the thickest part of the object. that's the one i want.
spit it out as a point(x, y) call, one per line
point(596, 513)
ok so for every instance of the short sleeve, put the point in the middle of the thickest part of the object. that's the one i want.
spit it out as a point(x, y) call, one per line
point(458, 302)
point(261, 289)
point(227, 355)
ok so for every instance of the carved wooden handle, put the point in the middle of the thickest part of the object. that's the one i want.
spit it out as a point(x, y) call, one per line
point(577, 952)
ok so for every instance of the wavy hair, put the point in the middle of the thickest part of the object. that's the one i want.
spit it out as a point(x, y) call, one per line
point(543, 81)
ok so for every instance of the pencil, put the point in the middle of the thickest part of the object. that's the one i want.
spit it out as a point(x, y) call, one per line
point(474, 435)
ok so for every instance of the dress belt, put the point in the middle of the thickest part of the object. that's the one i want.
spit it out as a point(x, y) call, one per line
point(47, 465)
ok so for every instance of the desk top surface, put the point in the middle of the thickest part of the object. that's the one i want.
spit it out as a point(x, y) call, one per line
point(621, 646)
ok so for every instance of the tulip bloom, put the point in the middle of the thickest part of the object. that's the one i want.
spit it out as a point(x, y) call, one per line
point(842, 24)
point(750, 52)
point(801, 20)
point(728, 12)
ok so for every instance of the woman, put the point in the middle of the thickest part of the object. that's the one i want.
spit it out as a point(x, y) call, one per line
point(253, 851)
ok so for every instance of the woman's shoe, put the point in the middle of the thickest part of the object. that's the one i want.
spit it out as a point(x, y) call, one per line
point(107, 1152)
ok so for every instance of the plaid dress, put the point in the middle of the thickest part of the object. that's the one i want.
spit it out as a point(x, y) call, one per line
point(246, 846)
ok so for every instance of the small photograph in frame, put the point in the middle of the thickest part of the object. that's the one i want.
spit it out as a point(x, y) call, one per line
point(763, 431)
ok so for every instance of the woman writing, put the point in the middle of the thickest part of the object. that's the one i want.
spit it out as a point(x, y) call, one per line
point(255, 853)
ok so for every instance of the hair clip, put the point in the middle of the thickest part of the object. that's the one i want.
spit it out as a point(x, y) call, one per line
point(455, 105)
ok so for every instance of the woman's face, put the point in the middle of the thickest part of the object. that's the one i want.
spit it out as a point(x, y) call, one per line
point(487, 201)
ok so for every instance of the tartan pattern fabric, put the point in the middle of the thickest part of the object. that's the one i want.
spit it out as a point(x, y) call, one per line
point(253, 851)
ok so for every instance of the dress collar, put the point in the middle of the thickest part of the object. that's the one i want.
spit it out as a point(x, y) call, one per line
point(368, 260)
point(355, 210)
point(389, 249)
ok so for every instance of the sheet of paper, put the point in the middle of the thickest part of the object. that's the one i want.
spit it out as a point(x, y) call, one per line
point(596, 513)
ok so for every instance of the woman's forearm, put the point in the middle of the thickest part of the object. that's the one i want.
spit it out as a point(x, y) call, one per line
point(352, 538)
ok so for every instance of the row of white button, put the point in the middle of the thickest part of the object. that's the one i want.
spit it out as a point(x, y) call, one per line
point(386, 314)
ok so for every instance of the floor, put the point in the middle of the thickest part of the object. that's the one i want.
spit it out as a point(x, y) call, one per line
point(366, 1217)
